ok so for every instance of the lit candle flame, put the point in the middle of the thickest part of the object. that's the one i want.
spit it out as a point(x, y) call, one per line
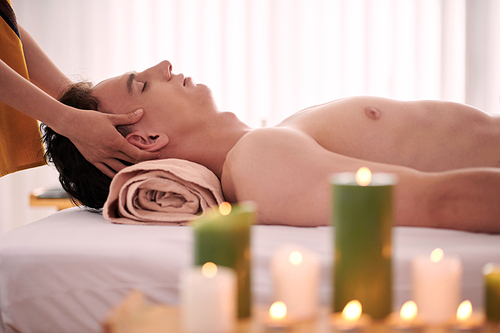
point(295, 258)
point(209, 269)
point(225, 208)
point(464, 311)
point(352, 311)
point(408, 311)
point(437, 255)
point(277, 311)
point(363, 176)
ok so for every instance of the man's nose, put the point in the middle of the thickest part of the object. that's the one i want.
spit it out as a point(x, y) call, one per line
point(161, 71)
point(165, 70)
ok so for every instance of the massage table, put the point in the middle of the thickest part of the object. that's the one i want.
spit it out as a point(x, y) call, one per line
point(65, 272)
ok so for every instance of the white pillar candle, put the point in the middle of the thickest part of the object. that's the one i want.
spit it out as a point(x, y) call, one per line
point(296, 273)
point(437, 286)
point(208, 299)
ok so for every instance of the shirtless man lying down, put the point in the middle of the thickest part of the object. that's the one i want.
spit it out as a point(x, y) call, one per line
point(446, 155)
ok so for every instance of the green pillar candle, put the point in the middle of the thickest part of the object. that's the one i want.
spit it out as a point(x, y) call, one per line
point(362, 217)
point(492, 292)
point(225, 240)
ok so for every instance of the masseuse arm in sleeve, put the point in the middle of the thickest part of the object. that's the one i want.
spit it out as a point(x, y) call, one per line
point(93, 133)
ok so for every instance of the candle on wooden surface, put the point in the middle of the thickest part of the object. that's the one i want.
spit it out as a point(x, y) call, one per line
point(296, 274)
point(208, 299)
point(363, 221)
point(406, 321)
point(408, 313)
point(351, 319)
point(492, 292)
point(466, 320)
point(277, 320)
point(436, 286)
point(223, 236)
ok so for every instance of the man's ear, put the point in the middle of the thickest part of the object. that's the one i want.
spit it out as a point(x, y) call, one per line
point(147, 142)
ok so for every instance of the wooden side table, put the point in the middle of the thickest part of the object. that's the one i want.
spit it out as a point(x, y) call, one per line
point(53, 196)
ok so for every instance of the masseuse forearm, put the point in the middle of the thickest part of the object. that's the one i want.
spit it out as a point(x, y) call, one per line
point(24, 96)
point(37, 98)
point(42, 71)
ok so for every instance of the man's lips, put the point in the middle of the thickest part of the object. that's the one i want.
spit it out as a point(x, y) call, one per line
point(183, 79)
point(186, 80)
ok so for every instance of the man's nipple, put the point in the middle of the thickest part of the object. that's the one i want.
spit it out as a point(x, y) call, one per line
point(372, 113)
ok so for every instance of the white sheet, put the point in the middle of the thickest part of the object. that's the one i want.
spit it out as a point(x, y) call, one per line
point(63, 273)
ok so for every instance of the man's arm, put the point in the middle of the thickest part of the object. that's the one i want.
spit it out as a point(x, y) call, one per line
point(463, 199)
point(287, 174)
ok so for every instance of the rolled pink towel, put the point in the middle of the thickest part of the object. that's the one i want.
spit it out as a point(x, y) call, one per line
point(168, 191)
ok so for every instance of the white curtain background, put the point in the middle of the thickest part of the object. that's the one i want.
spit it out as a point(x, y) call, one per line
point(266, 59)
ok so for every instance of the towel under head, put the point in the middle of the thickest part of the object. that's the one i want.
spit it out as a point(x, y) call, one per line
point(167, 191)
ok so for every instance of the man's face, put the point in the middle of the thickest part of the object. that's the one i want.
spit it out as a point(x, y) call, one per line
point(169, 101)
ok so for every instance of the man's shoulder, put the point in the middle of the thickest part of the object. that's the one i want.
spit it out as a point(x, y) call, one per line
point(265, 140)
point(269, 164)
point(256, 137)
point(252, 146)
point(267, 149)
point(255, 154)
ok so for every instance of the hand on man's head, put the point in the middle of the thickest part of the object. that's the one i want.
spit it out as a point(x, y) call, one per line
point(96, 137)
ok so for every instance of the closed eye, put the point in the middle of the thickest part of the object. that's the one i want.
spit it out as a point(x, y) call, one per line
point(144, 87)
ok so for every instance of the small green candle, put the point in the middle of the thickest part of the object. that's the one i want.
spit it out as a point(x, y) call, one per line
point(363, 221)
point(492, 292)
point(223, 237)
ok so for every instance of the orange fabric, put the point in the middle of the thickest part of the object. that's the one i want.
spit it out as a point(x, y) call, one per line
point(20, 141)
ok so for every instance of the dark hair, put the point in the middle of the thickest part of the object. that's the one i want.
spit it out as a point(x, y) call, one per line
point(84, 183)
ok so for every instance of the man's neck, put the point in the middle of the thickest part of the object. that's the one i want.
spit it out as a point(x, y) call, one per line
point(211, 145)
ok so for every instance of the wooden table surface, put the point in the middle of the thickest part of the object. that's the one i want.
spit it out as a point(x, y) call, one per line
point(168, 319)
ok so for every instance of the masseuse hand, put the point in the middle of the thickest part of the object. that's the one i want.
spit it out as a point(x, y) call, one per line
point(95, 136)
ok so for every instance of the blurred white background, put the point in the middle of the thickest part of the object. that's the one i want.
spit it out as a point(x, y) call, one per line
point(266, 59)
